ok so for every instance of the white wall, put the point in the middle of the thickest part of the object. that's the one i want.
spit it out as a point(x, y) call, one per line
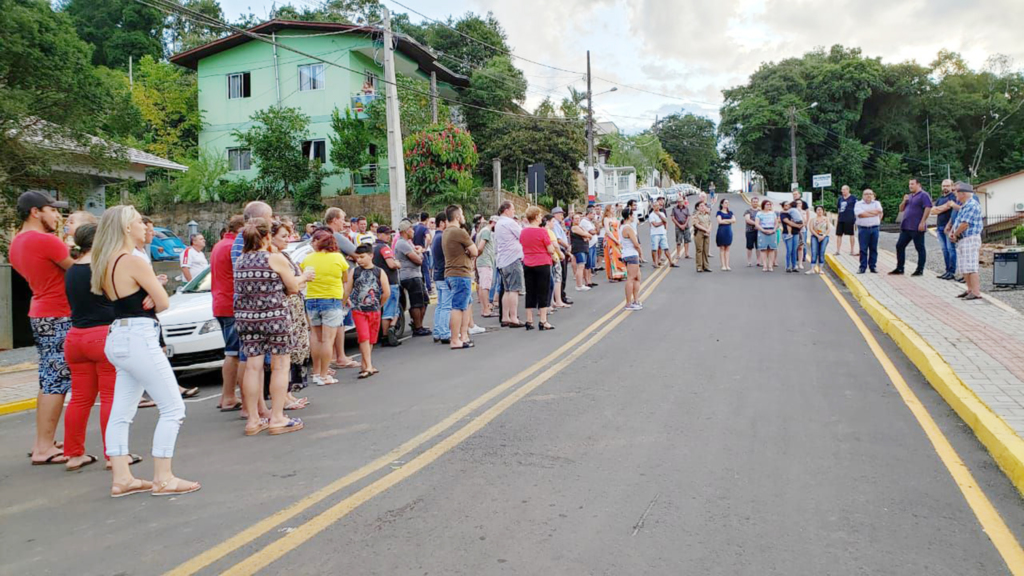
point(1000, 197)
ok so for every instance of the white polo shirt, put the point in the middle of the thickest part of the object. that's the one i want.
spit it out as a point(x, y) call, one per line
point(194, 260)
point(861, 206)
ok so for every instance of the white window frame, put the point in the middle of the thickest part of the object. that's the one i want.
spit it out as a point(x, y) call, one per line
point(239, 151)
point(314, 85)
point(241, 85)
point(372, 77)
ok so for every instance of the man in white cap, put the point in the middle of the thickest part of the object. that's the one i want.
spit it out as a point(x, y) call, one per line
point(966, 233)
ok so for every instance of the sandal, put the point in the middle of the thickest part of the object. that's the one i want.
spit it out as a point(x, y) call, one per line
point(294, 406)
point(190, 392)
point(117, 489)
point(234, 408)
point(90, 459)
point(146, 403)
point(972, 297)
point(56, 444)
point(263, 425)
point(546, 326)
point(178, 489)
point(51, 460)
point(135, 459)
point(293, 425)
point(364, 374)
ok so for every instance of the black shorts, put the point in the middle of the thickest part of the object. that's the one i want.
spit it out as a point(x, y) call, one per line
point(751, 239)
point(416, 292)
point(844, 229)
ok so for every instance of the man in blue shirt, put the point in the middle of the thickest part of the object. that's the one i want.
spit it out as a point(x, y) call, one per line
point(945, 207)
point(443, 310)
point(420, 232)
point(966, 233)
point(846, 220)
point(916, 207)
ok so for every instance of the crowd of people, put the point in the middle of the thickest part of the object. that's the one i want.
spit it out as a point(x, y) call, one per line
point(283, 320)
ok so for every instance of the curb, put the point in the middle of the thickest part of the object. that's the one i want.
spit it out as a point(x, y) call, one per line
point(1006, 448)
point(18, 406)
point(19, 367)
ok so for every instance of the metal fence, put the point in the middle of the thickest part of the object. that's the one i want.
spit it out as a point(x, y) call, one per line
point(1000, 228)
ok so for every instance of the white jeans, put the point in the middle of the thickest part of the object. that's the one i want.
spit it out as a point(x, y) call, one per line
point(133, 347)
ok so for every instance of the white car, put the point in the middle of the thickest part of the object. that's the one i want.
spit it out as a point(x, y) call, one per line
point(643, 203)
point(191, 333)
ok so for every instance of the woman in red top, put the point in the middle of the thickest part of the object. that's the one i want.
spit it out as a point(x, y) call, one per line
point(537, 252)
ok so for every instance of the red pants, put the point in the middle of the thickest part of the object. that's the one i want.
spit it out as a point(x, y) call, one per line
point(91, 372)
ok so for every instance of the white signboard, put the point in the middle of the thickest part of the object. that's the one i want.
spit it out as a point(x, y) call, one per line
point(822, 181)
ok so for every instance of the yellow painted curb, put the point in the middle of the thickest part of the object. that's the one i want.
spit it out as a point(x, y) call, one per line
point(1006, 447)
point(19, 406)
point(19, 367)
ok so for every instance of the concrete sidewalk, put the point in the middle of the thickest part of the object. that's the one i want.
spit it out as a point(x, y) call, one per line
point(971, 352)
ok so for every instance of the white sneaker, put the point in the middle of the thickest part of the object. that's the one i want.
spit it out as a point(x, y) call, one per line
point(639, 305)
point(582, 288)
point(318, 381)
point(631, 307)
point(476, 330)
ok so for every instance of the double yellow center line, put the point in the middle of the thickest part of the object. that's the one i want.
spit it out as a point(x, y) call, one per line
point(562, 357)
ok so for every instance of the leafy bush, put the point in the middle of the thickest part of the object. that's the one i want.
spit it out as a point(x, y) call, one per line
point(438, 164)
point(200, 182)
point(1018, 233)
point(239, 190)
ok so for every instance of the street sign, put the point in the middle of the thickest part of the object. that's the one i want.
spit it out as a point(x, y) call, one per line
point(822, 181)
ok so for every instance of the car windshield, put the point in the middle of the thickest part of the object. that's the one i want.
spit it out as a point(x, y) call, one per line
point(200, 283)
point(159, 234)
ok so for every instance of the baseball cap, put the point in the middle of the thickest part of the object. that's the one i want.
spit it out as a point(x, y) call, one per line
point(557, 210)
point(402, 226)
point(38, 199)
point(494, 219)
point(383, 230)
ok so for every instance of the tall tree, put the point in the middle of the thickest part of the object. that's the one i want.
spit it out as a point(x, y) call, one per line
point(168, 99)
point(118, 29)
point(457, 52)
point(185, 33)
point(275, 140)
point(692, 142)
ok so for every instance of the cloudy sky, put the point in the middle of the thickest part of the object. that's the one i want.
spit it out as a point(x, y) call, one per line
point(690, 50)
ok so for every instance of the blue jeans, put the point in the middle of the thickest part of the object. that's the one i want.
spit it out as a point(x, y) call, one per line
point(443, 310)
point(427, 268)
point(792, 243)
point(948, 252)
point(818, 249)
point(495, 284)
point(868, 238)
point(906, 237)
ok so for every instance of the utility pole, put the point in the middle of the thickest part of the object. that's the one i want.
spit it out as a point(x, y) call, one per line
point(928, 132)
point(396, 157)
point(277, 76)
point(590, 119)
point(792, 145)
point(433, 97)
point(131, 77)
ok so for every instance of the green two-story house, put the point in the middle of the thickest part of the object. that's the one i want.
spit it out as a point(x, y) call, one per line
point(239, 75)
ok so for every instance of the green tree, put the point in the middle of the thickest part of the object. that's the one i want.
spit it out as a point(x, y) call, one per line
point(185, 33)
point(457, 53)
point(275, 140)
point(118, 29)
point(200, 182)
point(439, 166)
point(692, 142)
point(500, 86)
point(413, 109)
point(350, 143)
point(167, 97)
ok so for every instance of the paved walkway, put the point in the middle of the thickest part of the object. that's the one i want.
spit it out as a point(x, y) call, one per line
point(983, 340)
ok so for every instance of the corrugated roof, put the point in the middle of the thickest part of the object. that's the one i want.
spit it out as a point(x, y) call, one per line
point(406, 45)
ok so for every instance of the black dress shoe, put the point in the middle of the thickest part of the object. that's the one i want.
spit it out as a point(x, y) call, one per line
point(873, 271)
point(896, 273)
point(861, 271)
point(917, 273)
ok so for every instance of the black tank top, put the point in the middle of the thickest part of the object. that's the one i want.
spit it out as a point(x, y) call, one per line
point(579, 243)
point(129, 306)
point(88, 310)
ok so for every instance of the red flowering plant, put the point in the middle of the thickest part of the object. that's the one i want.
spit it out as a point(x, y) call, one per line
point(439, 164)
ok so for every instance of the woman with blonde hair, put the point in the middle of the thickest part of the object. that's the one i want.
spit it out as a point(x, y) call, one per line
point(133, 347)
point(613, 265)
point(538, 250)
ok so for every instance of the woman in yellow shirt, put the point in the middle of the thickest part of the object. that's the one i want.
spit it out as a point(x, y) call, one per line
point(324, 296)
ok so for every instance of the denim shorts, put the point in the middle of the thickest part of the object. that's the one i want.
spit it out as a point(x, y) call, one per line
point(592, 257)
point(659, 241)
point(630, 259)
point(462, 291)
point(227, 330)
point(390, 309)
point(325, 312)
point(581, 257)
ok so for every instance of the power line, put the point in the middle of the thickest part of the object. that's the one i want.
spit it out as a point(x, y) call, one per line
point(171, 7)
point(524, 59)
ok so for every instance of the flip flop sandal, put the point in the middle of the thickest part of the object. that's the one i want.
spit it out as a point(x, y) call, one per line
point(295, 406)
point(146, 403)
point(365, 374)
point(162, 490)
point(90, 460)
point(465, 345)
point(129, 489)
point(135, 459)
point(51, 460)
point(374, 372)
point(234, 408)
point(263, 425)
point(190, 392)
point(972, 297)
point(56, 444)
point(293, 425)
point(351, 364)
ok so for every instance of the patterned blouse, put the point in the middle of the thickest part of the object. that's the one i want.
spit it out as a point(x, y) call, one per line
point(261, 309)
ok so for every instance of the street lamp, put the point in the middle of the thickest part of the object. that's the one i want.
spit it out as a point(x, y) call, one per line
point(792, 139)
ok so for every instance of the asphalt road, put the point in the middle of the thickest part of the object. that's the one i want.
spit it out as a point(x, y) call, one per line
point(738, 425)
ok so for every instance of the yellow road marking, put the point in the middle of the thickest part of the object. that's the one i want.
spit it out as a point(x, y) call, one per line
point(991, 522)
point(264, 526)
point(262, 558)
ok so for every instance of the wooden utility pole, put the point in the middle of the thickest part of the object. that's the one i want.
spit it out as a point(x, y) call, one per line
point(396, 157)
point(433, 97)
point(590, 123)
point(792, 145)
